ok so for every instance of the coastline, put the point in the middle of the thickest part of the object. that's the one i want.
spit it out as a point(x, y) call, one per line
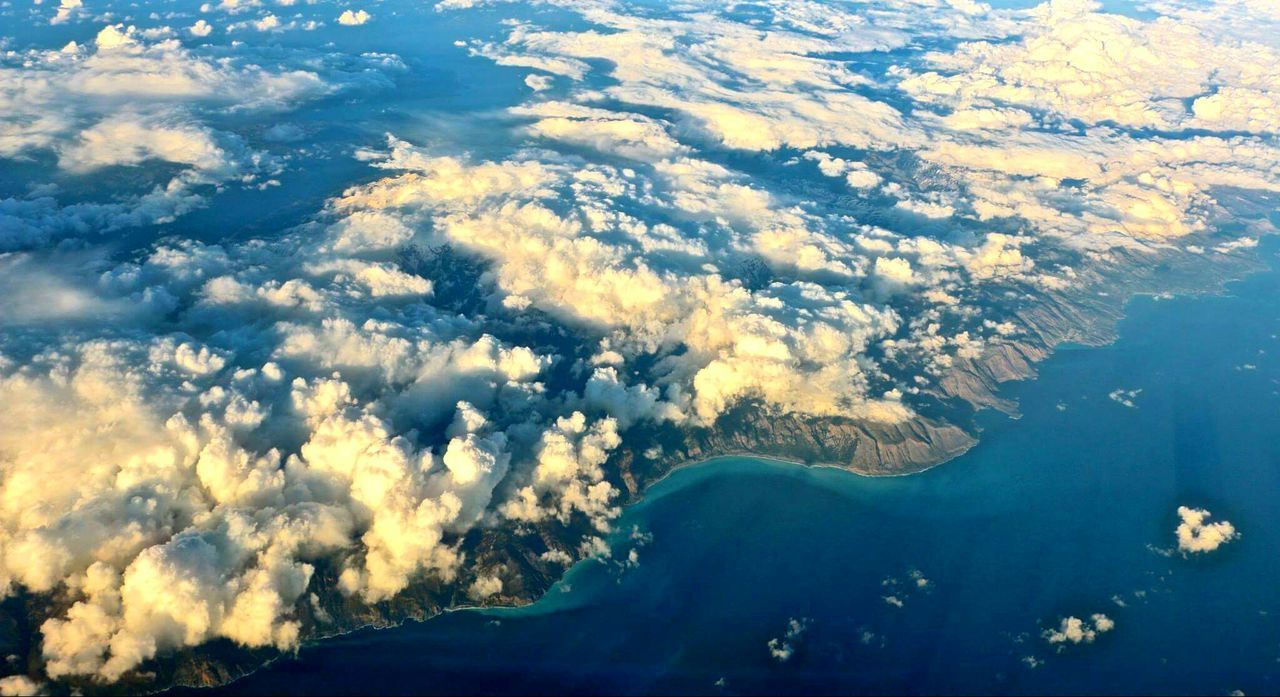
point(1245, 266)
point(1086, 315)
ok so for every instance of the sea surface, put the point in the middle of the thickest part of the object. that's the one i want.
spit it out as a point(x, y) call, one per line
point(1069, 510)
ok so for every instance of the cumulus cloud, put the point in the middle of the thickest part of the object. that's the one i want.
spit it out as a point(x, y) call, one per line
point(568, 471)
point(855, 174)
point(174, 532)
point(1196, 535)
point(538, 83)
point(1103, 68)
point(19, 686)
point(1060, 189)
point(577, 268)
point(200, 29)
point(353, 19)
point(124, 102)
point(67, 10)
point(1073, 630)
point(484, 587)
point(1124, 398)
point(784, 647)
point(157, 494)
point(128, 140)
point(901, 589)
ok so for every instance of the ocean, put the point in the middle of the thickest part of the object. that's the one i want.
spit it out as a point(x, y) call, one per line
point(941, 582)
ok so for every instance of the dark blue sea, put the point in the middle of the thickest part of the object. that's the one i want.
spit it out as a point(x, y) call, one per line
point(1068, 511)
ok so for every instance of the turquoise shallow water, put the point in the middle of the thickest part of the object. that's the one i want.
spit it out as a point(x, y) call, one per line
point(1062, 512)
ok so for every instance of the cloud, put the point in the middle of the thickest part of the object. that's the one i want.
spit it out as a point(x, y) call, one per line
point(1104, 68)
point(126, 101)
point(1074, 630)
point(632, 136)
point(200, 29)
point(484, 587)
point(234, 570)
point(784, 647)
point(1124, 398)
point(856, 174)
point(160, 500)
point(568, 476)
point(353, 19)
point(538, 83)
point(900, 590)
point(1198, 536)
point(55, 289)
point(742, 344)
point(269, 22)
point(773, 113)
point(19, 686)
point(128, 140)
point(704, 213)
point(67, 10)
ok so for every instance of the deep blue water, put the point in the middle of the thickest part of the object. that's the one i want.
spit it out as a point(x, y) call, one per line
point(1057, 513)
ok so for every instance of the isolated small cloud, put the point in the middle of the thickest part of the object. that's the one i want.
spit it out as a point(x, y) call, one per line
point(784, 647)
point(353, 19)
point(1073, 630)
point(67, 9)
point(267, 23)
point(538, 83)
point(1198, 536)
point(900, 589)
point(1124, 398)
point(200, 29)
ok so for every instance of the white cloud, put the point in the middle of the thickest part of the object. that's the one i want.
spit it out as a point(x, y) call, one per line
point(171, 524)
point(568, 472)
point(1124, 397)
point(353, 19)
point(67, 10)
point(1073, 630)
point(856, 174)
point(743, 344)
point(125, 101)
point(484, 587)
point(128, 140)
point(539, 83)
point(629, 135)
point(784, 647)
point(1098, 68)
point(19, 686)
point(115, 36)
point(1198, 536)
point(200, 29)
point(89, 505)
point(269, 22)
